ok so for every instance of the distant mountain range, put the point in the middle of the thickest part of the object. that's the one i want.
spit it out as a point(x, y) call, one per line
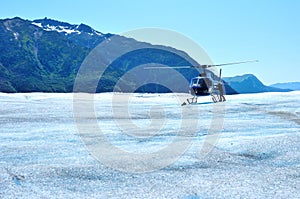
point(45, 55)
point(250, 84)
point(289, 85)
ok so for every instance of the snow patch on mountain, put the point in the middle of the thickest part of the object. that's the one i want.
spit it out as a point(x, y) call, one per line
point(37, 24)
point(66, 28)
point(63, 29)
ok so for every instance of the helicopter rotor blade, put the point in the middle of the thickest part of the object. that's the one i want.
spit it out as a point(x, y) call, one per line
point(167, 67)
point(200, 66)
point(232, 63)
point(174, 67)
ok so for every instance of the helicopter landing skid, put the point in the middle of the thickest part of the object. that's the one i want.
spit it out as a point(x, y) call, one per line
point(192, 100)
point(216, 98)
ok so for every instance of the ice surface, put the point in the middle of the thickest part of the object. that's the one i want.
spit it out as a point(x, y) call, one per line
point(257, 153)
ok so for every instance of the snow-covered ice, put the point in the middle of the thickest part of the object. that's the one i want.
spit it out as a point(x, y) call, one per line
point(256, 154)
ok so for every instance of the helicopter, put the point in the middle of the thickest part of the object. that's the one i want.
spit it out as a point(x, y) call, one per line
point(206, 83)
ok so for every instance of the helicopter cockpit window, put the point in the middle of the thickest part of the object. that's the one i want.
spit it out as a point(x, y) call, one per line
point(205, 82)
point(201, 81)
point(195, 81)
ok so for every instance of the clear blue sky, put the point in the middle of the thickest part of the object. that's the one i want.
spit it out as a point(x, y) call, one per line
point(231, 30)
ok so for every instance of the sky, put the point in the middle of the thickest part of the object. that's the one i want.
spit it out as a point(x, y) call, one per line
point(229, 30)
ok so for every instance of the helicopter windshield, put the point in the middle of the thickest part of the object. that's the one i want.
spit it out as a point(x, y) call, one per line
point(201, 81)
point(195, 81)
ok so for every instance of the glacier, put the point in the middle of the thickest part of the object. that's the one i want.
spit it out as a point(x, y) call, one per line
point(256, 153)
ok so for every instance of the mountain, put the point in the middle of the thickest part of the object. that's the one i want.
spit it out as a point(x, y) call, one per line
point(45, 55)
point(288, 85)
point(34, 59)
point(248, 83)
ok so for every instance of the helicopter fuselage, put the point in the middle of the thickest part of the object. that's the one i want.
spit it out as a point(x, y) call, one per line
point(201, 86)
